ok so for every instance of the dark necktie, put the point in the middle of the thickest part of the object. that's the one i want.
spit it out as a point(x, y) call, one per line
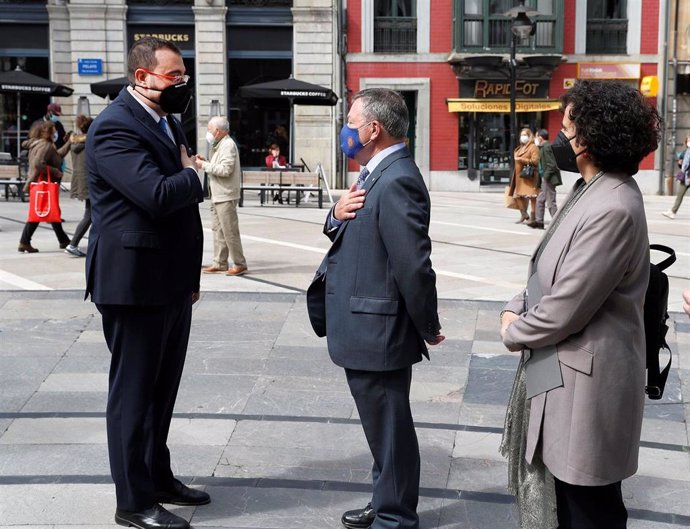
point(362, 177)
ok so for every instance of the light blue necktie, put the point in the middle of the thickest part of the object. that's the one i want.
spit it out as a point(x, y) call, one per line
point(163, 125)
point(362, 177)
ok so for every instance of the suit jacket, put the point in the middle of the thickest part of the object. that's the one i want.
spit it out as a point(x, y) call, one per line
point(380, 290)
point(146, 238)
point(593, 275)
point(224, 171)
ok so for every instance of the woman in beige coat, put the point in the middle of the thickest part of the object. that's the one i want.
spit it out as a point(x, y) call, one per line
point(43, 156)
point(525, 190)
point(574, 422)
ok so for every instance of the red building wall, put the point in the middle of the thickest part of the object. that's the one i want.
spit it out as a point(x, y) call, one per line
point(354, 26)
point(443, 124)
point(443, 141)
point(649, 40)
point(441, 40)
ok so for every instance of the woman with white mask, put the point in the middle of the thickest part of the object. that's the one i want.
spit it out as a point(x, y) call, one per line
point(523, 187)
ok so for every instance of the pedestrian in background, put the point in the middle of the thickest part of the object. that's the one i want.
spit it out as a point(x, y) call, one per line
point(573, 425)
point(79, 187)
point(379, 292)
point(275, 160)
point(44, 158)
point(142, 271)
point(53, 113)
point(280, 137)
point(224, 175)
point(550, 178)
point(684, 182)
point(525, 188)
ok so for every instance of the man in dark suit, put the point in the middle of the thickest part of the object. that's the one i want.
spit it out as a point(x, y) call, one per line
point(380, 303)
point(142, 271)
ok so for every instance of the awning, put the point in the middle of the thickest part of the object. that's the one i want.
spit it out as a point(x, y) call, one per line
point(501, 105)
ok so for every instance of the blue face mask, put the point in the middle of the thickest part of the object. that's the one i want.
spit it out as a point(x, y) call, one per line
point(55, 136)
point(54, 118)
point(350, 142)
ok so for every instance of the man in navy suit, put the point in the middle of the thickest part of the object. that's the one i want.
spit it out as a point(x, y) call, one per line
point(142, 271)
point(378, 299)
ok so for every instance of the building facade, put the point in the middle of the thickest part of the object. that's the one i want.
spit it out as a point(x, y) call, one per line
point(449, 59)
point(225, 44)
point(452, 64)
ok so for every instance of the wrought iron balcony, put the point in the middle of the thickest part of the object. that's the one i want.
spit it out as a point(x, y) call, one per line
point(607, 35)
point(395, 34)
point(494, 34)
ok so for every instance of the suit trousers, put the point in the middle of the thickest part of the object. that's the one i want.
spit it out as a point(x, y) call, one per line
point(148, 346)
point(383, 403)
point(547, 195)
point(581, 507)
point(226, 235)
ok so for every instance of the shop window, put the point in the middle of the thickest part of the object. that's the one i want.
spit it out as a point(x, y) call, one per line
point(607, 26)
point(253, 120)
point(481, 25)
point(395, 26)
point(484, 142)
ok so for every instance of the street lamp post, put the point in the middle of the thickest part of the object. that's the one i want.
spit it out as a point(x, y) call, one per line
point(520, 28)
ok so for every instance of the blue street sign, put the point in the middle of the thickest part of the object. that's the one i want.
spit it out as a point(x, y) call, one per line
point(90, 66)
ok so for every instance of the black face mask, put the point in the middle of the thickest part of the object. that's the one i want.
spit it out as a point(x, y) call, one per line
point(174, 99)
point(563, 152)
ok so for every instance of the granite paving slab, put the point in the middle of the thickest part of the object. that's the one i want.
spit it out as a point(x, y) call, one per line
point(265, 422)
point(67, 402)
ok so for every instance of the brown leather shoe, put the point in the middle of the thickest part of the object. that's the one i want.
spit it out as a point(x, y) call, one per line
point(213, 270)
point(236, 271)
point(26, 248)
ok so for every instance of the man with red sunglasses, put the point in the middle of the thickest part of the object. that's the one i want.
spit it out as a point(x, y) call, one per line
point(142, 272)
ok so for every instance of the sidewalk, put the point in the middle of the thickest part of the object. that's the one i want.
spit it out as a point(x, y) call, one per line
point(264, 421)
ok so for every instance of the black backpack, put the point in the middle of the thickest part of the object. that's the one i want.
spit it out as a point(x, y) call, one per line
point(655, 316)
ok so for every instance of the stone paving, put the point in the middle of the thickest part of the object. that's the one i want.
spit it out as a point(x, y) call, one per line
point(264, 421)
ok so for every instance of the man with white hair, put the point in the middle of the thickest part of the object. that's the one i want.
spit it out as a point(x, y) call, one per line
point(223, 172)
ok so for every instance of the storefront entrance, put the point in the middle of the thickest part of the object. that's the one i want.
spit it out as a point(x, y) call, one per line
point(254, 121)
point(490, 160)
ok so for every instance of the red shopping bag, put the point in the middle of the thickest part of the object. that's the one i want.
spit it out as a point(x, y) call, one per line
point(44, 200)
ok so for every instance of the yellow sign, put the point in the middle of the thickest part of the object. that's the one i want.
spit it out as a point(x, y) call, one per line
point(649, 86)
point(502, 105)
point(568, 83)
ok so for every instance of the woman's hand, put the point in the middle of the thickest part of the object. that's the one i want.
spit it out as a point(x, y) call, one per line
point(506, 319)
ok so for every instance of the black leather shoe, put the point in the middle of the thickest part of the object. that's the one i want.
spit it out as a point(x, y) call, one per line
point(181, 494)
point(359, 518)
point(154, 518)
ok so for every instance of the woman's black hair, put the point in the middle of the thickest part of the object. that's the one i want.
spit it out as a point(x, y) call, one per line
point(614, 122)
